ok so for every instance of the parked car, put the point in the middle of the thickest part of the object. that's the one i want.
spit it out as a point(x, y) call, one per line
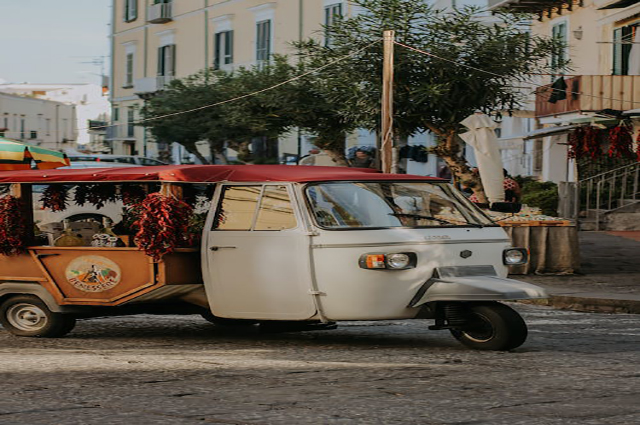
point(124, 159)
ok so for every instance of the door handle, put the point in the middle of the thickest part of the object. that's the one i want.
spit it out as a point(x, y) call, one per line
point(45, 255)
point(216, 248)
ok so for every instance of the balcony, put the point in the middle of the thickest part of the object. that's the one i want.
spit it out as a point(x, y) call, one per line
point(533, 6)
point(590, 93)
point(159, 13)
point(145, 85)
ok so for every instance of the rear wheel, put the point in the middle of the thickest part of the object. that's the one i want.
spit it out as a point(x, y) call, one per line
point(28, 315)
point(491, 326)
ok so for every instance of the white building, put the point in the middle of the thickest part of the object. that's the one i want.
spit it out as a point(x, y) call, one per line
point(39, 122)
point(90, 100)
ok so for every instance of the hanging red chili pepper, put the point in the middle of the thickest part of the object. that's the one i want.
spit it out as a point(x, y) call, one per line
point(12, 227)
point(621, 142)
point(55, 197)
point(132, 194)
point(591, 142)
point(163, 225)
point(95, 194)
point(576, 143)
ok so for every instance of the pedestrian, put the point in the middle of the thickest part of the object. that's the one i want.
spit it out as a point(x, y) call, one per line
point(362, 159)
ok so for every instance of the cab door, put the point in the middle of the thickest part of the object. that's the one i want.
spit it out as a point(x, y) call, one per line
point(257, 255)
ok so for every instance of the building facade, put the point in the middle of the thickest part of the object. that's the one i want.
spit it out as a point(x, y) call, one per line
point(40, 122)
point(603, 46)
point(155, 41)
point(90, 100)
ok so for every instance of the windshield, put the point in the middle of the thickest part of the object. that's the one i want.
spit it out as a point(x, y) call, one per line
point(391, 204)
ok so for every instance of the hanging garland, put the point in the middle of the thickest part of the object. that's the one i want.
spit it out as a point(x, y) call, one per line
point(163, 225)
point(132, 194)
point(12, 227)
point(621, 141)
point(55, 197)
point(591, 142)
point(95, 194)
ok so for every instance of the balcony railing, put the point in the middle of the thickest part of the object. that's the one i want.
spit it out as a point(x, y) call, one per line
point(159, 13)
point(588, 93)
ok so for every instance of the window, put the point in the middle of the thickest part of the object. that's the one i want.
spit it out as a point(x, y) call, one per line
point(559, 32)
point(623, 38)
point(47, 126)
point(128, 74)
point(239, 209)
point(33, 135)
point(130, 10)
point(166, 63)
point(116, 114)
point(276, 212)
point(130, 120)
point(391, 204)
point(263, 40)
point(331, 12)
point(22, 131)
point(223, 49)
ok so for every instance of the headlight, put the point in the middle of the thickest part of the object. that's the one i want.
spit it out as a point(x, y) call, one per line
point(392, 261)
point(398, 261)
point(515, 256)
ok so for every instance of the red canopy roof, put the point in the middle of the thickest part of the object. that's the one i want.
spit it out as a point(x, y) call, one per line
point(203, 174)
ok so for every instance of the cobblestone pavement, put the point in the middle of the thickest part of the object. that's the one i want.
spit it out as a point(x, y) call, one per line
point(576, 368)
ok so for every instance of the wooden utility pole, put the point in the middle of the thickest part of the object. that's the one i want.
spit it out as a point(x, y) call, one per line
point(386, 150)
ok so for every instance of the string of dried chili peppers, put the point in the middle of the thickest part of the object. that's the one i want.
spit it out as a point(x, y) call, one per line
point(12, 227)
point(163, 225)
point(95, 194)
point(591, 142)
point(132, 194)
point(55, 197)
point(621, 142)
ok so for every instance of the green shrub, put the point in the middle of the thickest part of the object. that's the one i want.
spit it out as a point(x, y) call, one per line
point(543, 195)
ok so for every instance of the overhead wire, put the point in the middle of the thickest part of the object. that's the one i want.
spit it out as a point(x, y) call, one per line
point(244, 96)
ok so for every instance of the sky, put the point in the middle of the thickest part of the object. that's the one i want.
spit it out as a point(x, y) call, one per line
point(45, 41)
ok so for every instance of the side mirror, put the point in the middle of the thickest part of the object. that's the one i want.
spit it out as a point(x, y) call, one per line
point(506, 207)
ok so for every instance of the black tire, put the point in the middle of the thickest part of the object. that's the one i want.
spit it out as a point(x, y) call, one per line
point(221, 321)
point(28, 315)
point(492, 326)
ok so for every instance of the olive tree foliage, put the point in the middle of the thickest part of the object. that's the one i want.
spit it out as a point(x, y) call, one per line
point(475, 64)
point(229, 109)
point(214, 107)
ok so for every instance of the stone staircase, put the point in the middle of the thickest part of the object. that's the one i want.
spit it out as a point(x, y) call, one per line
point(610, 200)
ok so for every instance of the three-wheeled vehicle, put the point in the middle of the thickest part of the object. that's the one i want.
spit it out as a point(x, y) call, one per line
point(282, 244)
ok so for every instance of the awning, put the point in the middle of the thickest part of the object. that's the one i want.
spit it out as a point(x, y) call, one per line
point(631, 113)
point(549, 131)
point(619, 4)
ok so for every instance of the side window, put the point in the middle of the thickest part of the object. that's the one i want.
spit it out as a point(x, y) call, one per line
point(237, 208)
point(276, 212)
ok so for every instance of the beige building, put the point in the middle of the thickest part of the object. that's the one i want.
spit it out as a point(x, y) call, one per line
point(155, 41)
point(604, 50)
point(39, 122)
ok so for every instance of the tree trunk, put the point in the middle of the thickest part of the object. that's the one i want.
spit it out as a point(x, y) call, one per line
point(216, 151)
point(193, 149)
point(338, 157)
point(448, 149)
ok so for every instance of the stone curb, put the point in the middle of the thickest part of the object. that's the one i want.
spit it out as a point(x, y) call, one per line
point(589, 305)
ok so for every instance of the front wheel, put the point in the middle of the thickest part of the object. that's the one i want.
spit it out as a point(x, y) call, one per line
point(491, 326)
point(28, 315)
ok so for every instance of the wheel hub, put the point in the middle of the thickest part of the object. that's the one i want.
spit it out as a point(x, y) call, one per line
point(26, 317)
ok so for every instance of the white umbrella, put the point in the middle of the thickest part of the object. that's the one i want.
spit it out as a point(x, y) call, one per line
point(634, 55)
point(482, 138)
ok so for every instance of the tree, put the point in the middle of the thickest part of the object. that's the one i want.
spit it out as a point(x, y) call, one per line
point(486, 59)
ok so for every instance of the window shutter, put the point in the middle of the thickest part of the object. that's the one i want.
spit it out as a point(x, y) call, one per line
point(229, 48)
point(160, 61)
point(125, 13)
point(134, 10)
point(172, 60)
point(217, 44)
